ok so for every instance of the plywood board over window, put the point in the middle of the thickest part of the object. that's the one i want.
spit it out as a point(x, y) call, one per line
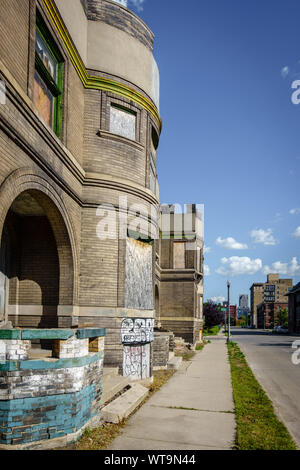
point(48, 77)
point(139, 275)
point(122, 122)
point(179, 255)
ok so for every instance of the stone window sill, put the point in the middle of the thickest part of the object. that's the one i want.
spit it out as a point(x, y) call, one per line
point(119, 138)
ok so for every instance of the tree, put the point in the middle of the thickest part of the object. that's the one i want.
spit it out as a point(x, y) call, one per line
point(212, 314)
point(242, 320)
point(282, 317)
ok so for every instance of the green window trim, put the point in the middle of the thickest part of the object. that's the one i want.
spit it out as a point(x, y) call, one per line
point(55, 87)
point(139, 237)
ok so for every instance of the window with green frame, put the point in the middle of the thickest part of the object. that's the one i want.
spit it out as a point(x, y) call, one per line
point(48, 77)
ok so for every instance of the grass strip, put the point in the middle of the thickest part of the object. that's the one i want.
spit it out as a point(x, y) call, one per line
point(258, 428)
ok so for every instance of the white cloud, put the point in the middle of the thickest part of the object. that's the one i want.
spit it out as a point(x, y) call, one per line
point(237, 266)
point(138, 4)
point(216, 300)
point(207, 249)
point(206, 270)
point(287, 269)
point(296, 234)
point(295, 211)
point(264, 236)
point(231, 244)
point(285, 71)
point(122, 2)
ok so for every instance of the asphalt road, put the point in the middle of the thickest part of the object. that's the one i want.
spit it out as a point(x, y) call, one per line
point(270, 357)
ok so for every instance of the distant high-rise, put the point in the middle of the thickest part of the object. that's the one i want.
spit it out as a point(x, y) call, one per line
point(273, 291)
point(244, 301)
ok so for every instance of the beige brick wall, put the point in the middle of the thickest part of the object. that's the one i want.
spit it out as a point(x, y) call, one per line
point(14, 33)
point(67, 174)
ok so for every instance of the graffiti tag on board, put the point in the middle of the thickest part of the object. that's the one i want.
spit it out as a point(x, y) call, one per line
point(137, 330)
point(136, 362)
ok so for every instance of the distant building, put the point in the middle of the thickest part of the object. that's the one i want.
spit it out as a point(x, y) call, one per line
point(256, 298)
point(294, 308)
point(243, 308)
point(233, 310)
point(267, 314)
point(243, 301)
point(243, 312)
point(271, 292)
point(179, 273)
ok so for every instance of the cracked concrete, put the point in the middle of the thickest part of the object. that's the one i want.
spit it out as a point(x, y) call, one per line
point(193, 411)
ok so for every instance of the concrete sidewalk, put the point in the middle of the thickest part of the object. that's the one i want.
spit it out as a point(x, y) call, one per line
point(193, 411)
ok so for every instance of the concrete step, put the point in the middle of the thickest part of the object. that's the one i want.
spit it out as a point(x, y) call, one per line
point(112, 385)
point(110, 371)
point(171, 355)
point(175, 363)
point(123, 406)
point(177, 339)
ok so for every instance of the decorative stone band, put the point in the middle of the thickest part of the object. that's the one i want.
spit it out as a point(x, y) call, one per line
point(90, 81)
point(62, 334)
point(50, 398)
point(67, 344)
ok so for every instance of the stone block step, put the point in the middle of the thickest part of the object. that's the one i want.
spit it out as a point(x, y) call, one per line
point(112, 385)
point(123, 406)
point(179, 341)
point(110, 371)
point(175, 363)
point(171, 355)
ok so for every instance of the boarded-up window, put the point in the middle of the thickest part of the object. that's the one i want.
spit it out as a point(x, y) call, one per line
point(153, 170)
point(198, 260)
point(138, 275)
point(179, 255)
point(123, 122)
point(152, 181)
point(48, 77)
point(43, 99)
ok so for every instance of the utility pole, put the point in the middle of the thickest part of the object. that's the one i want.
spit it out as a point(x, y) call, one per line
point(228, 287)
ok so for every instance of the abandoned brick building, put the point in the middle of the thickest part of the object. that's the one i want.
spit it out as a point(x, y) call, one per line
point(80, 255)
point(179, 272)
point(79, 133)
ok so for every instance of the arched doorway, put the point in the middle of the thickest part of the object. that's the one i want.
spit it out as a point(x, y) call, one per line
point(36, 262)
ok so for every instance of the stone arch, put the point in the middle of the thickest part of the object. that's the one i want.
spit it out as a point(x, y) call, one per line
point(35, 183)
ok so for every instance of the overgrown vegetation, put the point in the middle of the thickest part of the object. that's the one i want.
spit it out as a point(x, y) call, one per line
point(258, 428)
point(211, 331)
point(282, 317)
point(101, 438)
point(242, 321)
point(186, 356)
point(213, 315)
point(200, 346)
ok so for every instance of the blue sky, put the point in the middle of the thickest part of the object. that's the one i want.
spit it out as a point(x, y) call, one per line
point(231, 134)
